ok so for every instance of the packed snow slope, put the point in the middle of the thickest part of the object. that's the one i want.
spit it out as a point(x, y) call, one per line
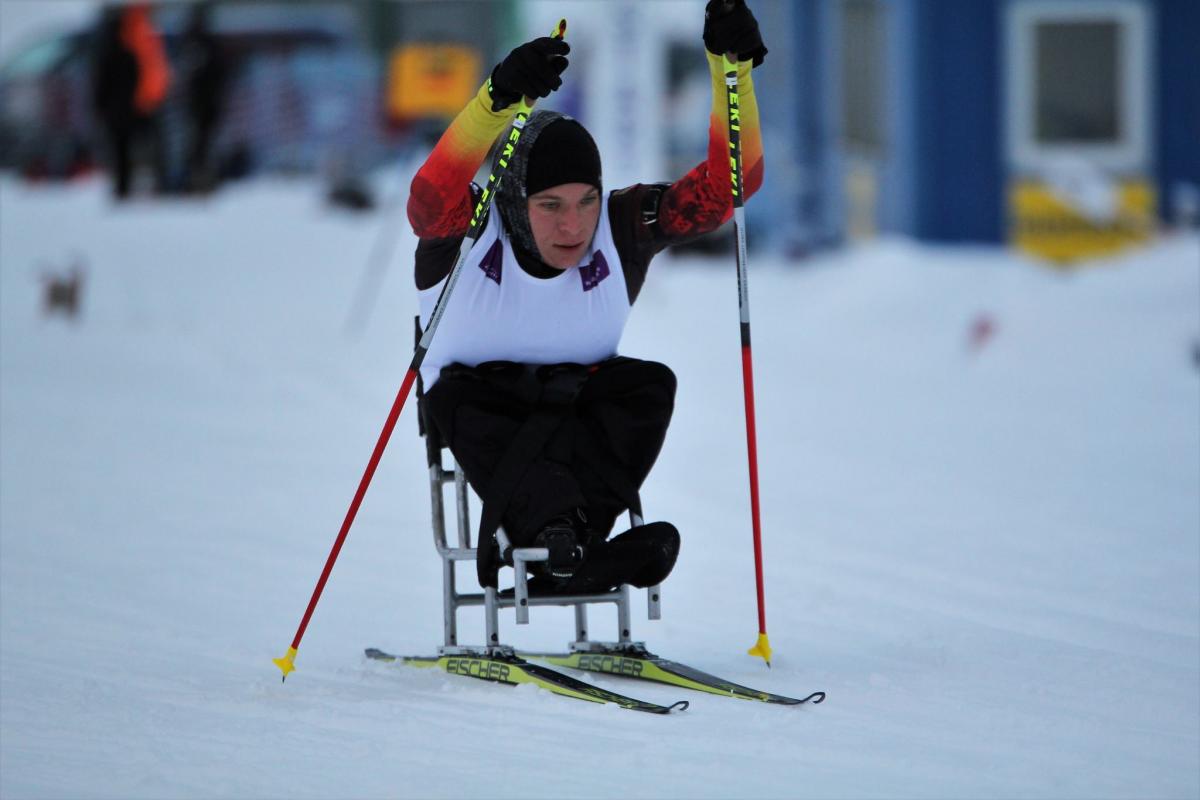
point(988, 556)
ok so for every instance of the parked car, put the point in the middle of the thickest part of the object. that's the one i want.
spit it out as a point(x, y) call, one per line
point(45, 121)
point(303, 89)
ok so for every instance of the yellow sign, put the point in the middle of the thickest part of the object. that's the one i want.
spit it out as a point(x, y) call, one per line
point(862, 199)
point(1048, 223)
point(431, 80)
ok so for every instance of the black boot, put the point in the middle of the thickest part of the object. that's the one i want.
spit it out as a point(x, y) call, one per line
point(642, 556)
point(565, 537)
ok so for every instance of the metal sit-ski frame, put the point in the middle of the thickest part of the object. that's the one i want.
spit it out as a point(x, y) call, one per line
point(492, 600)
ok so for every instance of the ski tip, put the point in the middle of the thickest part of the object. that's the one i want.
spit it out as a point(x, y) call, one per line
point(560, 30)
point(682, 705)
point(762, 649)
point(287, 663)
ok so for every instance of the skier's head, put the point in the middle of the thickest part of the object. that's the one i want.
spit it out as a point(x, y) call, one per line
point(550, 195)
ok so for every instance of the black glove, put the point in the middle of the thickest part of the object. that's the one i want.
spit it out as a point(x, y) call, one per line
point(531, 70)
point(730, 27)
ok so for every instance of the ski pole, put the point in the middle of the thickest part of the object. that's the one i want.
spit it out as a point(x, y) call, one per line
point(286, 663)
point(762, 647)
point(376, 267)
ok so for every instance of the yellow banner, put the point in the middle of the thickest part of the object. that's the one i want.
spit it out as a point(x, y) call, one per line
point(1048, 223)
point(431, 80)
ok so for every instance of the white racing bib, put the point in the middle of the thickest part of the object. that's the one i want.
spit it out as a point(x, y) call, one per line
point(499, 312)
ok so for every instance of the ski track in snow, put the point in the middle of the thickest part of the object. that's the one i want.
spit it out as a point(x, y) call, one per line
point(989, 560)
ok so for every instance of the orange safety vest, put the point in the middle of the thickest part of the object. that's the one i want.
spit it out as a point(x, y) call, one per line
point(154, 73)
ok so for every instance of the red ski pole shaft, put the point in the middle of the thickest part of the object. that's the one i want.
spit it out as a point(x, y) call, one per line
point(752, 456)
point(384, 436)
point(762, 647)
point(287, 663)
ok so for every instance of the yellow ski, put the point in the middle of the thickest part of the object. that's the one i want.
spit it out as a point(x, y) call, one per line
point(514, 671)
point(634, 661)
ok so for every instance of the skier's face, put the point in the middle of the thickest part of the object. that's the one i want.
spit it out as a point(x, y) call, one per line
point(563, 219)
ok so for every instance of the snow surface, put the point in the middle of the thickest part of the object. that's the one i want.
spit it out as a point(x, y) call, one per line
point(989, 558)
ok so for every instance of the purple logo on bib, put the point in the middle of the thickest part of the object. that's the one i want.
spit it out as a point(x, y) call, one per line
point(492, 260)
point(593, 273)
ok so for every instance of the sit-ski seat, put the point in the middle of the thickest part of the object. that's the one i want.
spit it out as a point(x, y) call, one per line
point(490, 599)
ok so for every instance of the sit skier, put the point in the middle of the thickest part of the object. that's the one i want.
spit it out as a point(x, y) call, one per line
point(554, 430)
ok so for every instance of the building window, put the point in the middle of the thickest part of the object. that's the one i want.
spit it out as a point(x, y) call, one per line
point(862, 61)
point(1078, 83)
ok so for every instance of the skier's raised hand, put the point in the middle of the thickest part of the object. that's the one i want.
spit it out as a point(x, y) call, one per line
point(730, 27)
point(532, 70)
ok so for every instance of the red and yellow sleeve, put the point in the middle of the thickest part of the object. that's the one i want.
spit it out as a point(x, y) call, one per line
point(439, 201)
point(701, 200)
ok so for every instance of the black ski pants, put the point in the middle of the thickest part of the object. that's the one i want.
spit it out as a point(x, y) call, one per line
point(536, 442)
point(133, 139)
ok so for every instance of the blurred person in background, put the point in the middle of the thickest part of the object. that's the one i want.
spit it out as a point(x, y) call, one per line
point(555, 431)
point(206, 73)
point(130, 80)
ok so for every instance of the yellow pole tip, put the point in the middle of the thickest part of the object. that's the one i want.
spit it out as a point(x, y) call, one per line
point(287, 663)
point(762, 649)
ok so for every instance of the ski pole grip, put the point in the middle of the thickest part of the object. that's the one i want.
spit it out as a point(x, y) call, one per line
point(559, 32)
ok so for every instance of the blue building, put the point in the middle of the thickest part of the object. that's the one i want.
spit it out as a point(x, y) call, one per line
point(1066, 127)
